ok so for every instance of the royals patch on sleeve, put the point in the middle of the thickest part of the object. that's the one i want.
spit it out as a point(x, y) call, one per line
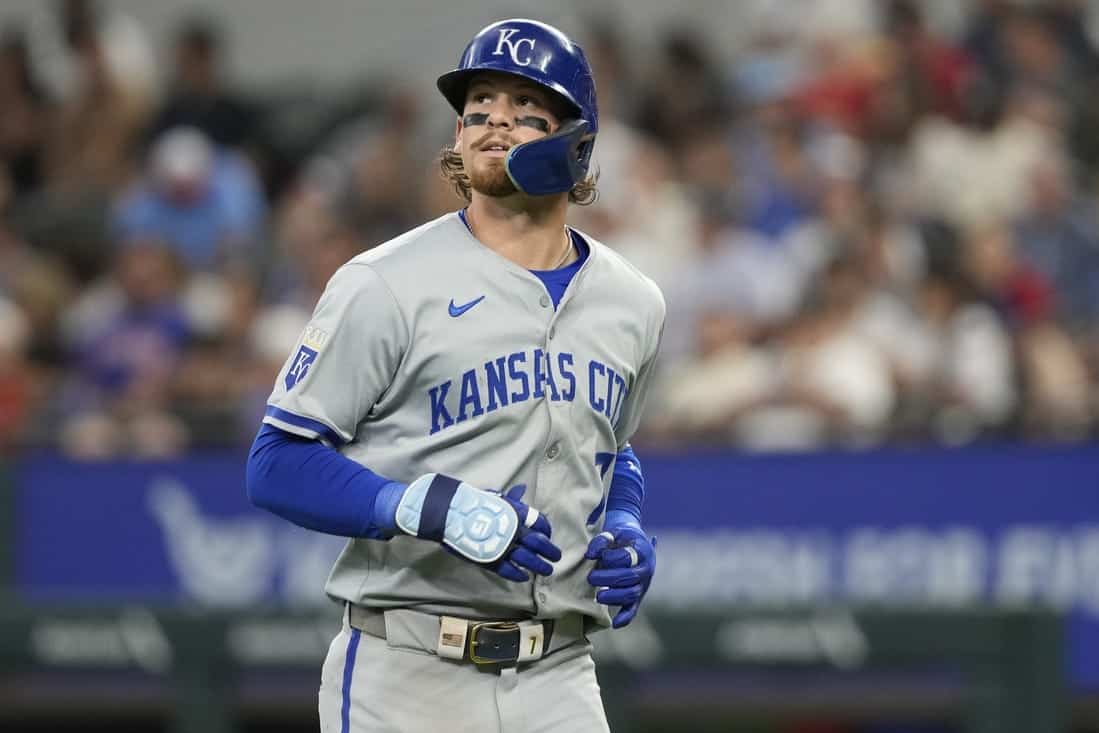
point(299, 367)
point(313, 340)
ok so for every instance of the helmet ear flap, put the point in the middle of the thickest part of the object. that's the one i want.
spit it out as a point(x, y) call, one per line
point(552, 164)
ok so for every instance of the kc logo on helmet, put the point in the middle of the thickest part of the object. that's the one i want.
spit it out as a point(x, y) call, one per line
point(514, 48)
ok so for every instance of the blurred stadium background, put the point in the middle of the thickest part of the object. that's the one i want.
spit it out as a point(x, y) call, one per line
point(876, 223)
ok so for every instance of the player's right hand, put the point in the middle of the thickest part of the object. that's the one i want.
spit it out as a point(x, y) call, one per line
point(483, 527)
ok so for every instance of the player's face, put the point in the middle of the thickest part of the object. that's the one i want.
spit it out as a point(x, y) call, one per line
point(501, 111)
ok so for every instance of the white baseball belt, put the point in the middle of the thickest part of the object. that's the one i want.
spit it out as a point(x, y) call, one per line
point(483, 642)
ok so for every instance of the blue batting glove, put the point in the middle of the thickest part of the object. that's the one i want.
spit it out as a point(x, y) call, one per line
point(625, 563)
point(495, 530)
point(532, 542)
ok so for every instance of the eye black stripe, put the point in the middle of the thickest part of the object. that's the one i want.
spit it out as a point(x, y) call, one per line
point(531, 121)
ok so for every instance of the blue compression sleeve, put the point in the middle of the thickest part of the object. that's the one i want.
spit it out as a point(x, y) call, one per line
point(316, 487)
point(627, 491)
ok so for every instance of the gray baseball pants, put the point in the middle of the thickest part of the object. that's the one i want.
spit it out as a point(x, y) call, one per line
point(399, 685)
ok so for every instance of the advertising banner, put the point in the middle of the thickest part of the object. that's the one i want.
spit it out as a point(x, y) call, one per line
point(1003, 526)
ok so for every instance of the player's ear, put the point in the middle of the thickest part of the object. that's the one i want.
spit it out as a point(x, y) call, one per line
point(458, 136)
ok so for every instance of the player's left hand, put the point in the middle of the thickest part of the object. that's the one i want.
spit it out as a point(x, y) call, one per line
point(625, 562)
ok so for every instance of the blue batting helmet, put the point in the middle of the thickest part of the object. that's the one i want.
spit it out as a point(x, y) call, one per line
point(541, 53)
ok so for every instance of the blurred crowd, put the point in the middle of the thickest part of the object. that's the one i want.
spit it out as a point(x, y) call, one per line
point(866, 232)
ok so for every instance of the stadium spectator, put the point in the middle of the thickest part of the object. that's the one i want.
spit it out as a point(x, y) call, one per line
point(26, 114)
point(831, 385)
point(970, 386)
point(198, 96)
point(100, 117)
point(1054, 389)
point(126, 355)
point(685, 71)
point(127, 49)
point(201, 200)
point(1059, 236)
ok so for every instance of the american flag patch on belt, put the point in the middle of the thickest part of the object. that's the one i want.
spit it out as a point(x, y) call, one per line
point(452, 637)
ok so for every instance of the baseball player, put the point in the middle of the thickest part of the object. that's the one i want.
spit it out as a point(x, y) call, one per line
point(460, 407)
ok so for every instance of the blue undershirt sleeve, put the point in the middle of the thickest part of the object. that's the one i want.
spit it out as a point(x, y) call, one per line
point(627, 491)
point(316, 487)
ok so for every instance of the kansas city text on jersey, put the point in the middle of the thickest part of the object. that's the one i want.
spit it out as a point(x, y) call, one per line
point(521, 376)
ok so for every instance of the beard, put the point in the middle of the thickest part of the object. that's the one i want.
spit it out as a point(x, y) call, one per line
point(491, 179)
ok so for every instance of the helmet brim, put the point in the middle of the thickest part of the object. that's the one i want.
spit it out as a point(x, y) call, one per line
point(454, 84)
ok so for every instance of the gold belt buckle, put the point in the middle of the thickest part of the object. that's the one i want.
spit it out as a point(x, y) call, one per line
point(475, 629)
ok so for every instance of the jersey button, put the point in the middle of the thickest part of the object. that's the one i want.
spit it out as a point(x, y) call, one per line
point(553, 451)
point(552, 331)
point(544, 301)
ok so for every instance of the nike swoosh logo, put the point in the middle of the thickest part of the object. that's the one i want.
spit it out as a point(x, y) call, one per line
point(457, 310)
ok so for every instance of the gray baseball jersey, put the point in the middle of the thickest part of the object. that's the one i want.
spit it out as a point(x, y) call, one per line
point(434, 353)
